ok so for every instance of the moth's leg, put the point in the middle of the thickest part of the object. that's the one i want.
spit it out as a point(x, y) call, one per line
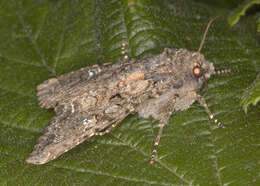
point(106, 130)
point(156, 142)
point(202, 101)
point(123, 51)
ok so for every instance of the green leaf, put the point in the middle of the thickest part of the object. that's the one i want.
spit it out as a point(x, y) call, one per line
point(241, 10)
point(252, 94)
point(258, 26)
point(40, 39)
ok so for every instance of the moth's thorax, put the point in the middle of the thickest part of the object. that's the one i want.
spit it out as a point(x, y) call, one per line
point(182, 72)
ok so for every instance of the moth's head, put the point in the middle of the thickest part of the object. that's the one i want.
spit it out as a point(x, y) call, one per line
point(201, 69)
point(189, 66)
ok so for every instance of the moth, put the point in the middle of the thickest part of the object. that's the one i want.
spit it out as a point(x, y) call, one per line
point(93, 100)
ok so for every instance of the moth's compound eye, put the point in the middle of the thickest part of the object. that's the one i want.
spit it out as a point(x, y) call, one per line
point(197, 71)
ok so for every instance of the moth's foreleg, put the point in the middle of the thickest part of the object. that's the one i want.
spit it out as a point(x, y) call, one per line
point(202, 101)
point(107, 130)
point(123, 51)
point(156, 142)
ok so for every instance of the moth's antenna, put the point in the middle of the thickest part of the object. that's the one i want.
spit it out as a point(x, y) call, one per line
point(205, 33)
point(220, 72)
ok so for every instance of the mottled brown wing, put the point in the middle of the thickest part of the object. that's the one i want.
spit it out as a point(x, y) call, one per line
point(68, 129)
point(50, 90)
point(87, 104)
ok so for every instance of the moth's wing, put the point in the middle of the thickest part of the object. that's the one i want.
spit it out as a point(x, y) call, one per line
point(67, 130)
point(50, 90)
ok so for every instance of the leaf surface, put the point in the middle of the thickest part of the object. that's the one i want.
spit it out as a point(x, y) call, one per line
point(40, 39)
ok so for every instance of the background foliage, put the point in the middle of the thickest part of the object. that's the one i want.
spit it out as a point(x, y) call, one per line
point(40, 39)
point(248, 6)
point(252, 94)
